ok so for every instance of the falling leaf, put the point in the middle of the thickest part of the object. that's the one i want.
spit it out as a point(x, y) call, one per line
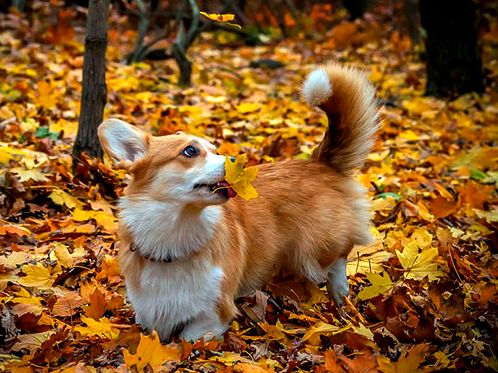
point(150, 352)
point(219, 17)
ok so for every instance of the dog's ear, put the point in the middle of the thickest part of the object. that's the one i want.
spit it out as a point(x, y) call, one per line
point(123, 142)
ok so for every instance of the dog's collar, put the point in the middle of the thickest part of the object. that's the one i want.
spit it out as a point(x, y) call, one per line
point(168, 259)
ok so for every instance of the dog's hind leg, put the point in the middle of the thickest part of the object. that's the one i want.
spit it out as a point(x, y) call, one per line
point(337, 281)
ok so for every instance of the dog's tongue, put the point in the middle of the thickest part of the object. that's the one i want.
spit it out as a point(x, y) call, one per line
point(224, 184)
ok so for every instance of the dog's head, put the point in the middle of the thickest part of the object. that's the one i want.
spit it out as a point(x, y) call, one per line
point(177, 168)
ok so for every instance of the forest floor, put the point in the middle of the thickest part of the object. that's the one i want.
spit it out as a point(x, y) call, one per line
point(423, 297)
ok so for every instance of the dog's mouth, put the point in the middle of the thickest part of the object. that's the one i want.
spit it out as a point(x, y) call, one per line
point(221, 188)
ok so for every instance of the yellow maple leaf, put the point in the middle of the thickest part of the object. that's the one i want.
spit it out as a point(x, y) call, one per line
point(150, 352)
point(380, 284)
point(409, 363)
point(25, 175)
point(417, 264)
point(322, 328)
point(24, 297)
point(31, 342)
point(62, 198)
point(248, 107)
point(223, 18)
point(37, 276)
point(62, 255)
point(240, 178)
point(102, 327)
point(45, 95)
point(5, 155)
point(106, 221)
point(219, 17)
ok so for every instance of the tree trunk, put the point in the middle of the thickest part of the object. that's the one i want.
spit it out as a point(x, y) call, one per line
point(356, 8)
point(453, 58)
point(412, 19)
point(184, 38)
point(93, 98)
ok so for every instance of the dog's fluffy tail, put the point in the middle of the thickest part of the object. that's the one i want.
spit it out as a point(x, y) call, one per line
point(348, 99)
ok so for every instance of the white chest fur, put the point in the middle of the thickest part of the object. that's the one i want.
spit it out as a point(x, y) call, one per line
point(171, 294)
point(185, 290)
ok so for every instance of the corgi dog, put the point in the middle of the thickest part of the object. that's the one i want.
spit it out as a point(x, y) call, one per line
point(188, 249)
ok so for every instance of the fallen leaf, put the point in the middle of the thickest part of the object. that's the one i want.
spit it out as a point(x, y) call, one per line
point(150, 352)
point(380, 284)
point(419, 264)
point(37, 276)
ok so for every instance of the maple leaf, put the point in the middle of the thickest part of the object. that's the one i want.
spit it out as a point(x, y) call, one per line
point(150, 352)
point(62, 255)
point(31, 342)
point(102, 327)
point(248, 107)
point(62, 198)
point(24, 297)
point(105, 220)
point(14, 229)
point(45, 95)
point(364, 331)
point(14, 259)
point(97, 305)
point(67, 305)
point(417, 264)
point(380, 284)
point(25, 175)
point(37, 276)
point(240, 178)
point(222, 18)
point(322, 328)
point(409, 363)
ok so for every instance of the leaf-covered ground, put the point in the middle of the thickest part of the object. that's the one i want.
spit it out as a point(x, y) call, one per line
point(423, 297)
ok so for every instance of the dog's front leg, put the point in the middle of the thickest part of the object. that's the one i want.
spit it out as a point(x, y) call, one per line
point(337, 282)
point(207, 325)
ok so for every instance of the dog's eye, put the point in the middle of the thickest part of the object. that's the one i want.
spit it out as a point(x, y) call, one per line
point(190, 151)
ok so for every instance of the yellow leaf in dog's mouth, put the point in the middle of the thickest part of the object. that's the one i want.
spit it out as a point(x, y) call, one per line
point(240, 178)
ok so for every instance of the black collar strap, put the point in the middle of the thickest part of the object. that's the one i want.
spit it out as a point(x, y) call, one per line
point(133, 248)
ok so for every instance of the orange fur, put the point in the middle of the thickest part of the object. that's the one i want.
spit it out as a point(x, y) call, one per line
point(308, 214)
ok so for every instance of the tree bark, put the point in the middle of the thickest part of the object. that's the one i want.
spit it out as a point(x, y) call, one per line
point(94, 92)
point(412, 19)
point(356, 8)
point(453, 57)
point(184, 38)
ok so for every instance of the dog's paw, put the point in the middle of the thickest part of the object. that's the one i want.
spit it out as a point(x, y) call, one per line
point(339, 288)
